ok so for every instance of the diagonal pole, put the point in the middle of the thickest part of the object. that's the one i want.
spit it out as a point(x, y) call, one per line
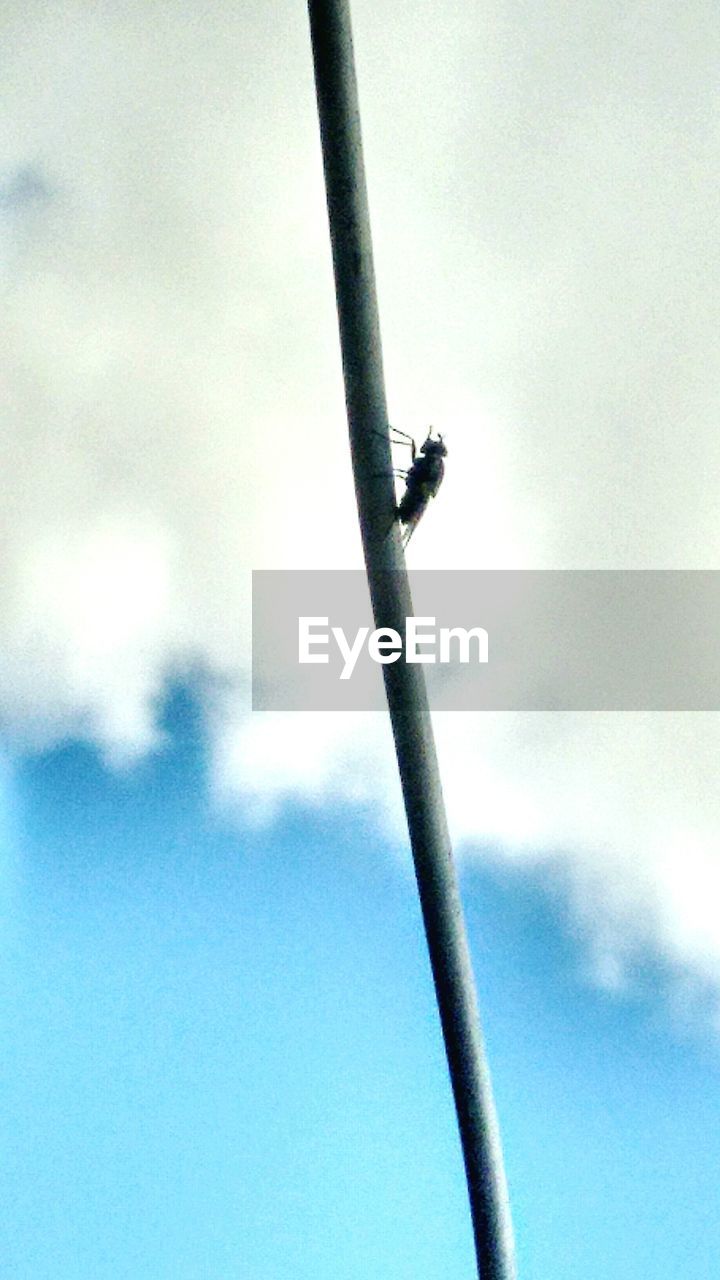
point(390, 594)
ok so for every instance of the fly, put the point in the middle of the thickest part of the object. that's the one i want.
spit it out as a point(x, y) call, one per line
point(422, 479)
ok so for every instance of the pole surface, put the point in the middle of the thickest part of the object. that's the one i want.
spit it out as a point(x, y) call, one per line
point(359, 324)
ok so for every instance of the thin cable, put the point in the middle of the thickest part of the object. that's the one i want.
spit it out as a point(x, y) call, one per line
point(359, 324)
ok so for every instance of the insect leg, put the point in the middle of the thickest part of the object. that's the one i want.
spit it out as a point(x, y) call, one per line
point(405, 441)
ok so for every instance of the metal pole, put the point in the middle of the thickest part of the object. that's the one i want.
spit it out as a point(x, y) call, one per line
point(390, 594)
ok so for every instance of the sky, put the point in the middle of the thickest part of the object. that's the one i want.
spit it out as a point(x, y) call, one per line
point(220, 1050)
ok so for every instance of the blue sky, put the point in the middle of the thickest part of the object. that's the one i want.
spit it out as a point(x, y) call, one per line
point(221, 1054)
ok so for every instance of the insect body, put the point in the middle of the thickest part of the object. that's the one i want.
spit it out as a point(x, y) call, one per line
point(422, 480)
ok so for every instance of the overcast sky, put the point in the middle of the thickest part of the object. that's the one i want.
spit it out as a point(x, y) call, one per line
point(543, 189)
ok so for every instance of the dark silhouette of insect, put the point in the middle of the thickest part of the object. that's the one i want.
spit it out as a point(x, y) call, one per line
point(422, 479)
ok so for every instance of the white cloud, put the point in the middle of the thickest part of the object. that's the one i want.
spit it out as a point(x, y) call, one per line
point(544, 204)
point(620, 810)
point(88, 634)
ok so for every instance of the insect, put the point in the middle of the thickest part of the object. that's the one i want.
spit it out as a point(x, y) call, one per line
point(422, 479)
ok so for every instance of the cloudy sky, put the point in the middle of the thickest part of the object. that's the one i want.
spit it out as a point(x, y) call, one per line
point(544, 201)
